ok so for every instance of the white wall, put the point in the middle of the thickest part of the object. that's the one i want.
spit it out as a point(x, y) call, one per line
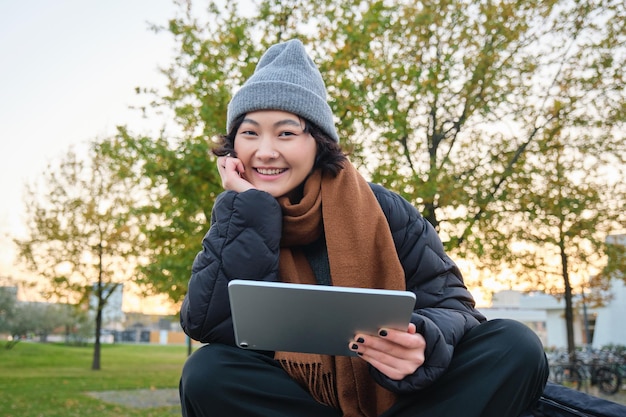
point(611, 320)
point(541, 312)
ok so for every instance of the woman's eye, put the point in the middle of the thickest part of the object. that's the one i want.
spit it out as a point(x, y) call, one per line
point(248, 132)
point(287, 134)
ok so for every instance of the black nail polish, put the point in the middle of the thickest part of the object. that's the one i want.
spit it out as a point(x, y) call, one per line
point(355, 346)
point(359, 353)
point(382, 333)
point(360, 340)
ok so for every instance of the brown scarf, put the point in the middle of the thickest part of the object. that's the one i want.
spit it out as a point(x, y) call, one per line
point(361, 253)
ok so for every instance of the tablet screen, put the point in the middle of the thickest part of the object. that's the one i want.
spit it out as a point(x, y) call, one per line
point(278, 316)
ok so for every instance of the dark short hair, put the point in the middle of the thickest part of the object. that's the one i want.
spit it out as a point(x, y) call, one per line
point(330, 158)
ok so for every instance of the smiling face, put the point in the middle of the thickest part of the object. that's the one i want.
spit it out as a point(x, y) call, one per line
point(277, 153)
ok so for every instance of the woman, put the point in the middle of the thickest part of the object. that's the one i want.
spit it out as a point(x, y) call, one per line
point(295, 210)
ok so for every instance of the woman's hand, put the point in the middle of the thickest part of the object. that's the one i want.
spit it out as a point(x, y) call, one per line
point(232, 172)
point(393, 352)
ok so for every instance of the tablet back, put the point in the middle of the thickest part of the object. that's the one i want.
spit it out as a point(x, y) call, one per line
point(322, 319)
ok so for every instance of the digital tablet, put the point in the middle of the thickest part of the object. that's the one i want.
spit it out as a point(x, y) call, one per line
point(278, 316)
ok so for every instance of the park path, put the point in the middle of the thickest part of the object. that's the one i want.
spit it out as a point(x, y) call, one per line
point(139, 398)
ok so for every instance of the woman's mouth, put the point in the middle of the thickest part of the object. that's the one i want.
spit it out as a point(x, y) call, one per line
point(270, 171)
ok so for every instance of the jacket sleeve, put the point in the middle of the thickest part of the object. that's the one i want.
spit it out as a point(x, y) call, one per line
point(444, 309)
point(242, 243)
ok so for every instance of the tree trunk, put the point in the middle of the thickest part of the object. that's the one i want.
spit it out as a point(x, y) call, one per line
point(95, 365)
point(430, 215)
point(569, 311)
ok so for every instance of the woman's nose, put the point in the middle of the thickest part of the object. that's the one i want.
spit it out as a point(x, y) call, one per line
point(266, 150)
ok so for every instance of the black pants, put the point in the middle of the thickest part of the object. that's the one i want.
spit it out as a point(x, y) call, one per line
point(499, 369)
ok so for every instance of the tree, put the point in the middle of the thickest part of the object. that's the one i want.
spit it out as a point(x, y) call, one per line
point(569, 193)
point(20, 319)
point(442, 101)
point(457, 94)
point(562, 237)
point(83, 238)
point(39, 319)
point(182, 186)
point(8, 299)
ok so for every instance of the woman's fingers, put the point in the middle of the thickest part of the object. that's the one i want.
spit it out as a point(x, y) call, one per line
point(395, 353)
point(232, 171)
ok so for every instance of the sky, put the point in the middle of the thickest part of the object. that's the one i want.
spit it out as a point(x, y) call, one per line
point(68, 72)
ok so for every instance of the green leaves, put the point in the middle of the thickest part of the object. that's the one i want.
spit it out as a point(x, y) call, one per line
point(82, 233)
point(455, 105)
point(77, 208)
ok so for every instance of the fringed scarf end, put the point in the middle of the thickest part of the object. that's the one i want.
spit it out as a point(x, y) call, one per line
point(320, 385)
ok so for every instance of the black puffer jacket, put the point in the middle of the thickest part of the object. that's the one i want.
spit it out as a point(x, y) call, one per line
point(243, 242)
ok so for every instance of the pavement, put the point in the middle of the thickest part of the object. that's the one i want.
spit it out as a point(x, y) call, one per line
point(139, 398)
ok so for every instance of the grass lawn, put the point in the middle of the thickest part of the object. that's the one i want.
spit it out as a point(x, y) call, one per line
point(51, 380)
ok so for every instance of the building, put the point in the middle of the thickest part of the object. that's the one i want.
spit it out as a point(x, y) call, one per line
point(541, 312)
point(546, 315)
point(609, 324)
point(112, 313)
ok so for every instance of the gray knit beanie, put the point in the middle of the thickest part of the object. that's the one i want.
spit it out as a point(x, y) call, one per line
point(285, 79)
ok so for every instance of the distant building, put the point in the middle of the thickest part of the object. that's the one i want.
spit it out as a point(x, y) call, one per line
point(9, 291)
point(543, 313)
point(610, 328)
point(546, 315)
point(112, 313)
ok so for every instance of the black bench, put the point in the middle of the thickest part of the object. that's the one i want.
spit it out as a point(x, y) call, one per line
point(559, 401)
